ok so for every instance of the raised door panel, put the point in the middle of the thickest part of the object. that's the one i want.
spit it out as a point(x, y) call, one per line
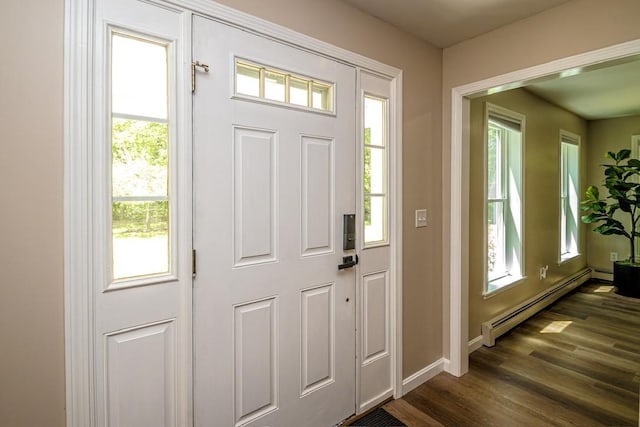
point(375, 317)
point(376, 355)
point(317, 213)
point(318, 346)
point(255, 360)
point(140, 373)
point(254, 185)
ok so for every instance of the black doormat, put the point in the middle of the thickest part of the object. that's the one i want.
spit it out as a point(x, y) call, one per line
point(378, 418)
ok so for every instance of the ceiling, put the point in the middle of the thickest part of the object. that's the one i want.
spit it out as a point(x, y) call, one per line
point(444, 23)
point(606, 91)
point(602, 93)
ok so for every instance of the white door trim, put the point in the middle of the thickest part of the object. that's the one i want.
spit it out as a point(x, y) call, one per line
point(78, 299)
point(78, 126)
point(459, 214)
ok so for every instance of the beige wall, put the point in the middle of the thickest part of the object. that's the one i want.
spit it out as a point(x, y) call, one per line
point(607, 135)
point(31, 304)
point(337, 23)
point(571, 28)
point(541, 201)
point(31, 300)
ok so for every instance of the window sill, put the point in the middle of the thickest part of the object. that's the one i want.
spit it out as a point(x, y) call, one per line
point(503, 284)
point(568, 257)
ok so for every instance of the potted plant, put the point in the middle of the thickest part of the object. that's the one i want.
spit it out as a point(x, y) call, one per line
point(622, 180)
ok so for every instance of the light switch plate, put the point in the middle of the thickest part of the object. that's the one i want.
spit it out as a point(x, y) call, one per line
point(421, 218)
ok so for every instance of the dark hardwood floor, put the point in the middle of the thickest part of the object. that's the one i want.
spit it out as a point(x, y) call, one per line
point(577, 363)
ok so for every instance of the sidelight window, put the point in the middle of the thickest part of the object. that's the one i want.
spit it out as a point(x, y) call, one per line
point(140, 129)
point(375, 170)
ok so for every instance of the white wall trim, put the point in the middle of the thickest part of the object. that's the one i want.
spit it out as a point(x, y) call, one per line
point(396, 235)
point(77, 219)
point(458, 285)
point(475, 344)
point(423, 375)
point(78, 268)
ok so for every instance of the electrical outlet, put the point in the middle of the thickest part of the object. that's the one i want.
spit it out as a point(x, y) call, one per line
point(613, 256)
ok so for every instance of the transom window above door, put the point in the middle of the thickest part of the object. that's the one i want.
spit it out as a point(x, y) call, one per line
point(275, 85)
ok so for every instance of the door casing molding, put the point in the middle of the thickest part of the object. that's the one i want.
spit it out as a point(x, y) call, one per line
point(78, 195)
point(459, 177)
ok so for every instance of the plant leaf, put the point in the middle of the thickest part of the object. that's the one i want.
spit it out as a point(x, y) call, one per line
point(593, 217)
point(593, 193)
point(623, 154)
point(625, 206)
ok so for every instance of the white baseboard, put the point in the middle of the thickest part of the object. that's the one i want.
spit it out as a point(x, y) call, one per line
point(475, 344)
point(422, 376)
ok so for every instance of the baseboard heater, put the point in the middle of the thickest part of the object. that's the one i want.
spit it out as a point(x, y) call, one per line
point(501, 324)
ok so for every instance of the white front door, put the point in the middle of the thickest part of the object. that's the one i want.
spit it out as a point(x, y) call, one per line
point(274, 173)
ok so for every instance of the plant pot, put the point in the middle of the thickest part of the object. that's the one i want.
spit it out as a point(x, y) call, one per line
point(626, 277)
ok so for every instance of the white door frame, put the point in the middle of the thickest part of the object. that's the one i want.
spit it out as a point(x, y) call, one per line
point(459, 213)
point(78, 198)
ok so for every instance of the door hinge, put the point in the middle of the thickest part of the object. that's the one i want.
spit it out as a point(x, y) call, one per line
point(194, 65)
point(193, 262)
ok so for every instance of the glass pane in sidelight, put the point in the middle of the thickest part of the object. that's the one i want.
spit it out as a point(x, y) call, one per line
point(375, 121)
point(374, 219)
point(140, 163)
point(140, 238)
point(139, 84)
point(374, 170)
point(247, 79)
point(140, 205)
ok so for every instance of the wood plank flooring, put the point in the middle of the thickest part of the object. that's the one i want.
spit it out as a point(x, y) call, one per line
point(577, 363)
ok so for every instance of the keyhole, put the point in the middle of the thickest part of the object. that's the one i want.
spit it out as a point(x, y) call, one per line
point(347, 299)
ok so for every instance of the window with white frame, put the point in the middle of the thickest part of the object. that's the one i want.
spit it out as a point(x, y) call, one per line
point(504, 197)
point(569, 195)
point(275, 85)
point(140, 156)
point(376, 137)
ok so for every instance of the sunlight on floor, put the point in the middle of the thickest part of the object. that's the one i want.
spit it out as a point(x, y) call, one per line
point(556, 327)
point(603, 289)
